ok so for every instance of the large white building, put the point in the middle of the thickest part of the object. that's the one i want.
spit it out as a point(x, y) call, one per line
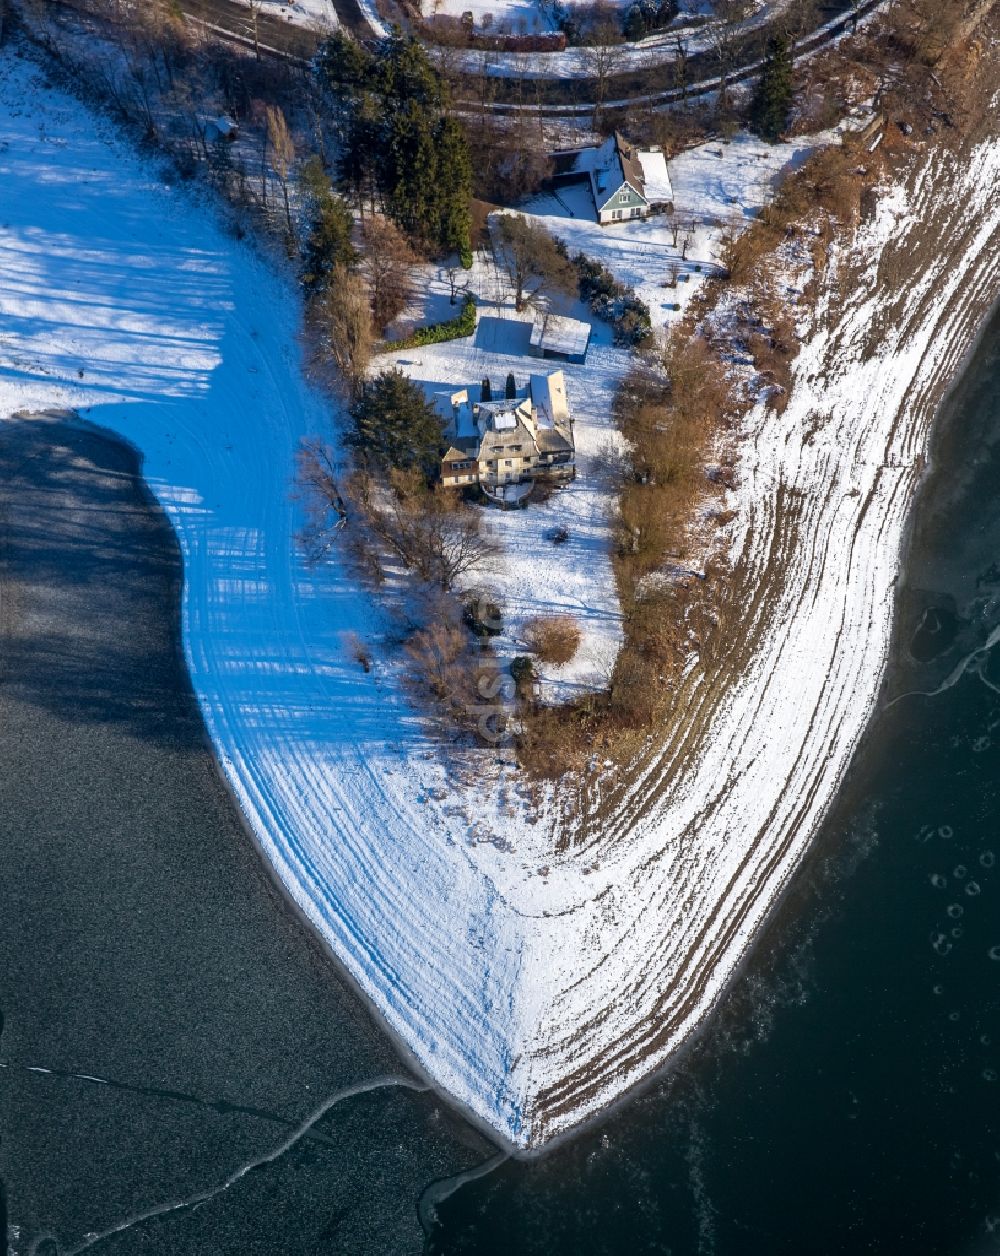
point(505, 446)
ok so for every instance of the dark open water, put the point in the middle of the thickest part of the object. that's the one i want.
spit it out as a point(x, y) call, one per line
point(846, 1099)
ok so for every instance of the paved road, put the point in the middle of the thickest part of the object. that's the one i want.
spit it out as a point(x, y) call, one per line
point(555, 97)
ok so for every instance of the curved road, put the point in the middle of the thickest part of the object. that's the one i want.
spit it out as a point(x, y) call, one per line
point(557, 95)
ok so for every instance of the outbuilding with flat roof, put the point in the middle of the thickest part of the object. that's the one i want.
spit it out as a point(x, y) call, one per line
point(556, 336)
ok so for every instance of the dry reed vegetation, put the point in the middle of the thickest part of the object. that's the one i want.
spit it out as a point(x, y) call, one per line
point(671, 410)
point(675, 411)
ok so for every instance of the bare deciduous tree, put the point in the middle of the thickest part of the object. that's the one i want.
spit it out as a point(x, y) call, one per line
point(255, 7)
point(531, 258)
point(434, 533)
point(318, 487)
point(458, 282)
point(603, 59)
point(387, 265)
point(681, 67)
point(725, 36)
point(342, 316)
point(282, 153)
point(436, 653)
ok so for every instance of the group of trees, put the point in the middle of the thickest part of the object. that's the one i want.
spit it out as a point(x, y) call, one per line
point(401, 148)
point(646, 16)
point(396, 438)
point(355, 293)
point(602, 22)
point(532, 258)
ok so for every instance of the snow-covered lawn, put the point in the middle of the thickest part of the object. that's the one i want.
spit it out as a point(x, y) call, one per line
point(533, 575)
point(719, 188)
point(122, 298)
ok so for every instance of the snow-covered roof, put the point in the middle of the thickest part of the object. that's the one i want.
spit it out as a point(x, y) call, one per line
point(548, 395)
point(616, 162)
point(555, 333)
point(657, 180)
point(454, 407)
point(447, 399)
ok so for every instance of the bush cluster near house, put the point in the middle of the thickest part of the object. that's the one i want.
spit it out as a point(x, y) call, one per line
point(595, 24)
point(463, 325)
point(400, 147)
point(553, 638)
point(614, 302)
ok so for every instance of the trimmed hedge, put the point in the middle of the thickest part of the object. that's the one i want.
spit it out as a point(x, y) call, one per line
point(453, 329)
point(613, 302)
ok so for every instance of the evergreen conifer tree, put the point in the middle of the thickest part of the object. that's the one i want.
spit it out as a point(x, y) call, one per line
point(328, 243)
point(772, 100)
point(454, 188)
point(396, 426)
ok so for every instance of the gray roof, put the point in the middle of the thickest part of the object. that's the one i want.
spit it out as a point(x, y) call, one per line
point(631, 165)
point(555, 333)
point(617, 162)
point(497, 442)
point(550, 440)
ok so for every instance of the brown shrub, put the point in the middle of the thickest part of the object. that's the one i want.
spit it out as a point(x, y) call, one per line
point(358, 650)
point(554, 638)
point(387, 265)
point(438, 657)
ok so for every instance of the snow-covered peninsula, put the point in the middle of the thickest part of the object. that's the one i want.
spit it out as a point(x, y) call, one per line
point(536, 959)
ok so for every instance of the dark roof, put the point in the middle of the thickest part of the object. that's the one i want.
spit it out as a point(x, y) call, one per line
point(456, 455)
point(551, 441)
point(631, 165)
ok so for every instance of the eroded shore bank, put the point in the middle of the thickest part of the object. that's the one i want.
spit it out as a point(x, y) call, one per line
point(826, 493)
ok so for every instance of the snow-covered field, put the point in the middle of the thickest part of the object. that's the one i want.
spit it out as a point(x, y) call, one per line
point(318, 14)
point(532, 16)
point(694, 26)
point(533, 575)
point(536, 968)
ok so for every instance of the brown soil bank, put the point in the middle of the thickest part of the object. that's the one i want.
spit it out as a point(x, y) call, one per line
point(762, 728)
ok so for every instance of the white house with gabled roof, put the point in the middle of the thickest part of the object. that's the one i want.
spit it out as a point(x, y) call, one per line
point(625, 181)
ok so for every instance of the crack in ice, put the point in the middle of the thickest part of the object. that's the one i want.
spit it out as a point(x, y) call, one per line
point(222, 1107)
point(259, 1162)
point(440, 1189)
point(957, 672)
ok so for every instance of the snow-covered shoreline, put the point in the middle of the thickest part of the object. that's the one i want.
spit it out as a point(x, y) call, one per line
point(536, 970)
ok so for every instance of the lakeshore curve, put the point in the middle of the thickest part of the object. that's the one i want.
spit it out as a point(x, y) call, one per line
point(537, 968)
